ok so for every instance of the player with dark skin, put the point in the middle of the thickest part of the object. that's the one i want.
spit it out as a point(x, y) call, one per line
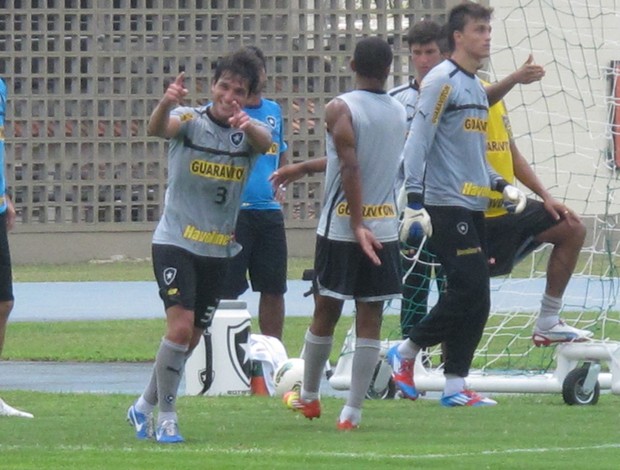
point(356, 254)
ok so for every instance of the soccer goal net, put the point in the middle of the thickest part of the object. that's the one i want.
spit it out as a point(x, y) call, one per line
point(568, 127)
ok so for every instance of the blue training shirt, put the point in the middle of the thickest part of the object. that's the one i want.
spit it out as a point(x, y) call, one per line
point(258, 193)
point(2, 175)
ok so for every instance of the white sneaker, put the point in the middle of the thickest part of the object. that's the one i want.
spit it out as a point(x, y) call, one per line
point(7, 410)
point(560, 333)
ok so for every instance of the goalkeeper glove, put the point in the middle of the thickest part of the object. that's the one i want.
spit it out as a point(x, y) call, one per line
point(514, 199)
point(416, 223)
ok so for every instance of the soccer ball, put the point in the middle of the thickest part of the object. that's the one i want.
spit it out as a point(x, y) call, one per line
point(289, 376)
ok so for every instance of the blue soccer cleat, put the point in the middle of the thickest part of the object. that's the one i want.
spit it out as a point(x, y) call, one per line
point(466, 398)
point(143, 423)
point(168, 433)
point(402, 373)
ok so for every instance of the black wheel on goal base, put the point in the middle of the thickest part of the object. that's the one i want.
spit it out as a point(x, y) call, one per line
point(380, 388)
point(572, 388)
point(386, 394)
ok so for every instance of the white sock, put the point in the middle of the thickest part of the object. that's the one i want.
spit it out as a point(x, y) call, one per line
point(348, 413)
point(144, 406)
point(167, 416)
point(454, 384)
point(549, 314)
point(408, 349)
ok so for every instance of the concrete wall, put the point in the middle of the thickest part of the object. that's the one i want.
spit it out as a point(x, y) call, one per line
point(79, 162)
point(74, 246)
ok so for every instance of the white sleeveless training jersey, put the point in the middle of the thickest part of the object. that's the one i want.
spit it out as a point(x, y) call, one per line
point(379, 124)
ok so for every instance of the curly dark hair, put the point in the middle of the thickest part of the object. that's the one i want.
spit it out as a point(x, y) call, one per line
point(373, 57)
point(243, 63)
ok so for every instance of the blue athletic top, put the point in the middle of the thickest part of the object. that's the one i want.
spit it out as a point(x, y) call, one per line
point(258, 193)
point(2, 176)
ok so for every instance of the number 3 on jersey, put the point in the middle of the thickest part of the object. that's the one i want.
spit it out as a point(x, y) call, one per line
point(221, 195)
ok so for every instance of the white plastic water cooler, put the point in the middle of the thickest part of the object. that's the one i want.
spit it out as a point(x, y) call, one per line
point(230, 369)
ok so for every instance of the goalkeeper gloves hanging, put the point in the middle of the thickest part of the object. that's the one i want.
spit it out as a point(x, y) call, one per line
point(416, 223)
point(514, 199)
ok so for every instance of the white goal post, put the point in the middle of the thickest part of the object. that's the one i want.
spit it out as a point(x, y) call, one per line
point(568, 127)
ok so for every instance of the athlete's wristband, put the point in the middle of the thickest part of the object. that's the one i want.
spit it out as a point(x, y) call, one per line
point(415, 199)
point(500, 184)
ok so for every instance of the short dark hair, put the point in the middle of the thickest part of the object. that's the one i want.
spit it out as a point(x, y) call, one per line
point(442, 42)
point(258, 52)
point(424, 32)
point(373, 57)
point(458, 16)
point(243, 64)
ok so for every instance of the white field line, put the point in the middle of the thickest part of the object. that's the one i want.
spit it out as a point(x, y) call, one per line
point(296, 453)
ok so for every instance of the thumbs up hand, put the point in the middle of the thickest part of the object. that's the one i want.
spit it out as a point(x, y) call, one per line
point(529, 72)
point(176, 91)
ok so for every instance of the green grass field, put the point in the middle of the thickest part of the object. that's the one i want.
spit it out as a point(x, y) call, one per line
point(123, 340)
point(123, 270)
point(88, 431)
point(81, 431)
point(141, 270)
